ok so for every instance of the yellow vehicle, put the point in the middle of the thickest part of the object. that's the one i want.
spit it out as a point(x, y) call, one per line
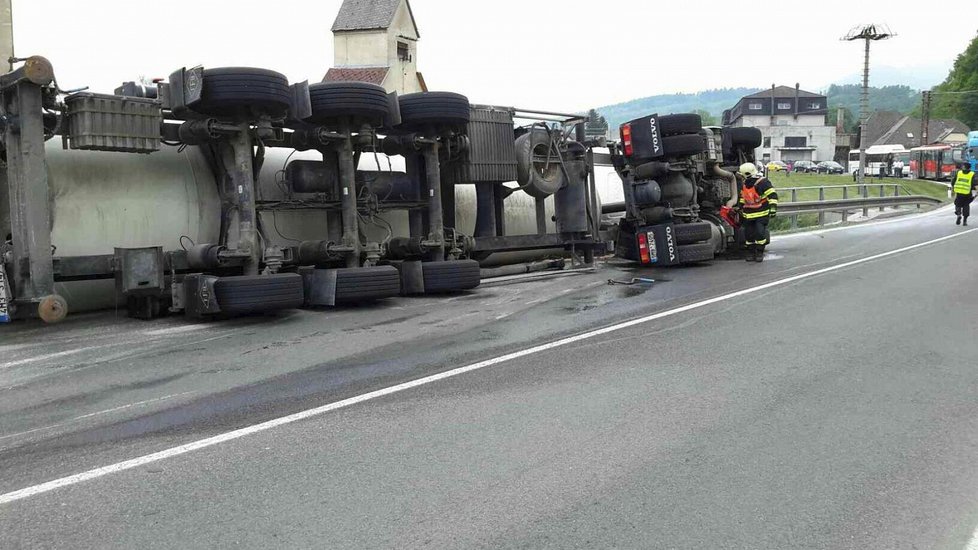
point(776, 166)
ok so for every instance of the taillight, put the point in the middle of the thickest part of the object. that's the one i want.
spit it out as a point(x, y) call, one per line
point(643, 248)
point(626, 139)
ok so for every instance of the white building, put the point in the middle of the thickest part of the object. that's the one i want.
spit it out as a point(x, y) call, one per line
point(377, 41)
point(792, 121)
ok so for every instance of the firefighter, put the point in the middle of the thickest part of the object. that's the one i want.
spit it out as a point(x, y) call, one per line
point(964, 192)
point(758, 204)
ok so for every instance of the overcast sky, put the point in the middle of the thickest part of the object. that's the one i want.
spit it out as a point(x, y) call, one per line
point(544, 54)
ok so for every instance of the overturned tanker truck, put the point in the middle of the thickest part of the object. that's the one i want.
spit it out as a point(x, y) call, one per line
point(230, 190)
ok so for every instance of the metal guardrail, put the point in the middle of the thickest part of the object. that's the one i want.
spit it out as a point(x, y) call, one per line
point(899, 196)
point(836, 205)
point(845, 205)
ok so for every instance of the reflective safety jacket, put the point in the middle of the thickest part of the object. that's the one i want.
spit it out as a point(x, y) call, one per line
point(758, 198)
point(964, 182)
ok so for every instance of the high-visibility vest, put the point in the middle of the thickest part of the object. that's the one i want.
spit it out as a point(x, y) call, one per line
point(962, 185)
point(752, 199)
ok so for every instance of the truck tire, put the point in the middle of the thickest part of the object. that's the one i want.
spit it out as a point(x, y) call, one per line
point(676, 125)
point(689, 233)
point(433, 109)
point(360, 101)
point(259, 293)
point(695, 253)
point(537, 179)
point(244, 93)
point(745, 137)
point(364, 284)
point(685, 145)
point(451, 276)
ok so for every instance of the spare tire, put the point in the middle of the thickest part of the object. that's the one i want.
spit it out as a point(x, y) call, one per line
point(695, 253)
point(244, 93)
point(538, 168)
point(744, 136)
point(258, 293)
point(675, 125)
point(439, 109)
point(689, 233)
point(450, 276)
point(360, 101)
point(683, 146)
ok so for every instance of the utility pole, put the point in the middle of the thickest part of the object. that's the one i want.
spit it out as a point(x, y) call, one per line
point(925, 119)
point(866, 33)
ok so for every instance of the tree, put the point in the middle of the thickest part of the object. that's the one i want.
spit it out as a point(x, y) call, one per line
point(962, 78)
point(709, 119)
point(850, 122)
point(596, 125)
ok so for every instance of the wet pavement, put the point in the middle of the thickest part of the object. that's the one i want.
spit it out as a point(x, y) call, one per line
point(100, 389)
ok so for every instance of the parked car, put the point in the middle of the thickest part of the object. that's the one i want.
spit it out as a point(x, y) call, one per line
point(804, 166)
point(829, 167)
point(776, 166)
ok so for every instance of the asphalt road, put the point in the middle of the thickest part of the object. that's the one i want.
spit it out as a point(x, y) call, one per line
point(837, 411)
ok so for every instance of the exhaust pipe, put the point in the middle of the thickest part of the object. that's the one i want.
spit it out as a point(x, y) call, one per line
point(729, 176)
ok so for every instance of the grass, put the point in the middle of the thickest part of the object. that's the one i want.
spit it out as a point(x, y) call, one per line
point(909, 187)
point(782, 181)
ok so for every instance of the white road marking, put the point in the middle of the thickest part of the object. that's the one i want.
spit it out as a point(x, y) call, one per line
point(37, 358)
point(177, 330)
point(95, 473)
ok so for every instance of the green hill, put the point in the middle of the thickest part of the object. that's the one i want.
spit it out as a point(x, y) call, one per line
point(710, 101)
point(903, 99)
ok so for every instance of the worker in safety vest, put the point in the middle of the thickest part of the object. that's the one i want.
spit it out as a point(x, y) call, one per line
point(758, 204)
point(964, 192)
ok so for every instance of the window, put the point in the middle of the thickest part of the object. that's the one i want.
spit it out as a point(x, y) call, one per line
point(403, 53)
point(784, 106)
point(795, 141)
point(754, 106)
point(815, 105)
point(767, 142)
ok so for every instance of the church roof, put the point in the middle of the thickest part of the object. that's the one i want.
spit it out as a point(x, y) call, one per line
point(365, 15)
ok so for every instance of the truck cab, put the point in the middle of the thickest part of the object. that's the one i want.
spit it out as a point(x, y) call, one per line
point(680, 189)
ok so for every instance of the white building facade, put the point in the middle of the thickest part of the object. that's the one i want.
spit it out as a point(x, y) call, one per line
point(792, 123)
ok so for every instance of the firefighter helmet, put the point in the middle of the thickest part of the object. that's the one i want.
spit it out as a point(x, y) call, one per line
point(747, 169)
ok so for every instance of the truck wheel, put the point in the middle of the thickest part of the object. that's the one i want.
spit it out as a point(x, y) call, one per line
point(538, 177)
point(244, 92)
point(360, 101)
point(749, 137)
point(451, 276)
point(433, 109)
point(683, 146)
point(258, 293)
point(689, 233)
point(694, 253)
point(364, 284)
point(676, 125)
